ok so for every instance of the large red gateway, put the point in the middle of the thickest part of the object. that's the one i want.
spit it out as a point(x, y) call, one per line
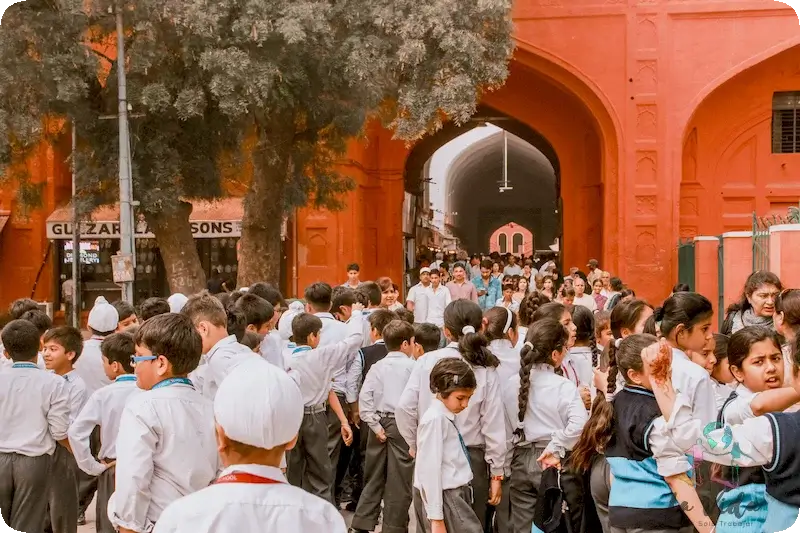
point(663, 120)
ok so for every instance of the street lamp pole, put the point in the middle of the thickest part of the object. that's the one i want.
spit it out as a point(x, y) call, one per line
point(125, 185)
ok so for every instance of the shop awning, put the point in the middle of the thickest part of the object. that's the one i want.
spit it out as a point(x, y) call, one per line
point(4, 216)
point(217, 219)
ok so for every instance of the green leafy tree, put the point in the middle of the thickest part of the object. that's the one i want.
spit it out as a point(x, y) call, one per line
point(291, 80)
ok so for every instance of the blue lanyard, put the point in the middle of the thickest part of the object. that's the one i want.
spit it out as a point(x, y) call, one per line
point(172, 381)
point(301, 349)
point(24, 365)
point(125, 377)
point(461, 440)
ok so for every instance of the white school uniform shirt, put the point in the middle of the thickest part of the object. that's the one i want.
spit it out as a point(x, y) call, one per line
point(694, 381)
point(89, 365)
point(383, 387)
point(249, 507)
point(587, 301)
point(271, 349)
point(577, 366)
point(441, 462)
point(34, 410)
point(510, 361)
point(166, 449)
point(438, 300)
point(738, 410)
point(555, 413)
point(313, 369)
point(481, 423)
point(419, 296)
point(223, 357)
point(722, 391)
point(104, 408)
point(522, 332)
point(78, 395)
point(332, 332)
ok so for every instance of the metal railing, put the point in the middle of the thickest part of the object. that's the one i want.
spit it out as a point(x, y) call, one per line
point(761, 227)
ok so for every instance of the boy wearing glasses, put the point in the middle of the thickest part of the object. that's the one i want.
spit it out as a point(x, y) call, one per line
point(166, 447)
point(104, 409)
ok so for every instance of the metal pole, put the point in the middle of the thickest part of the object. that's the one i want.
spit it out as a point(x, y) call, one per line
point(76, 238)
point(505, 159)
point(125, 187)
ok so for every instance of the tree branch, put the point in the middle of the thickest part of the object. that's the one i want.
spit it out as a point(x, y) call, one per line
point(102, 55)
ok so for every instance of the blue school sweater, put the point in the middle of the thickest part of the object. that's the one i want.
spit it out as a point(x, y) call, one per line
point(783, 473)
point(640, 497)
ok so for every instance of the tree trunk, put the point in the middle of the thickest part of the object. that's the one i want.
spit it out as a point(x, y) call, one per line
point(178, 250)
point(260, 253)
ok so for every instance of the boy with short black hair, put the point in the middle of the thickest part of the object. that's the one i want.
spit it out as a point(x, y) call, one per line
point(32, 426)
point(62, 348)
point(389, 467)
point(260, 317)
point(21, 306)
point(222, 352)
point(342, 301)
point(168, 428)
point(39, 319)
point(353, 273)
point(426, 339)
point(127, 315)
point(312, 365)
point(104, 409)
point(153, 307)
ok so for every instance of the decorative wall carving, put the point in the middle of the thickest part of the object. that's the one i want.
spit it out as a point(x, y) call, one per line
point(646, 122)
point(646, 205)
point(646, 168)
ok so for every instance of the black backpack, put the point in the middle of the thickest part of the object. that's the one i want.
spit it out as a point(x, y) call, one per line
point(559, 508)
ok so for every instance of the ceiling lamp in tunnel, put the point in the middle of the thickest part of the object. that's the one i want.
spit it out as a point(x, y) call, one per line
point(505, 186)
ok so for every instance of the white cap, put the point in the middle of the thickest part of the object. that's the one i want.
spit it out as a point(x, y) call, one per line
point(285, 322)
point(258, 404)
point(176, 302)
point(423, 270)
point(103, 317)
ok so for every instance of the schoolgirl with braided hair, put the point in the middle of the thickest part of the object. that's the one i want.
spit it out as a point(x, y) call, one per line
point(651, 491)
point(583, 357)
point(481, 424)
point(627, 318)
point(527, 308)
point(547, 415)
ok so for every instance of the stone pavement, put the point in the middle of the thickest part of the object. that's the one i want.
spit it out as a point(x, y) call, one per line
point(90, 514)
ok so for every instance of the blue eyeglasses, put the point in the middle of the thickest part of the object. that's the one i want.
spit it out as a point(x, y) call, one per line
point(136, 359)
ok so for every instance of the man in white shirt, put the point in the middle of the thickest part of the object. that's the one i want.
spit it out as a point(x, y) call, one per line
point(417, 300)
point(258, 411)
point(581, 298)
point(438, 299)
point(512, 268)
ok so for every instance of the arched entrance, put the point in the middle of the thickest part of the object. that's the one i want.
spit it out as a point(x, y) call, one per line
point(545, 105)
point(733, 163)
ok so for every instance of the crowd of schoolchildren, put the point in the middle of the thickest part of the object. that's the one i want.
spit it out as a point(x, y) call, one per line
point(236, 413)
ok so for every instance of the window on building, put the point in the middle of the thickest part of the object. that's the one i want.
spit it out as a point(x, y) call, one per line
point(786, 122)
point(502, 240)
point(516, 243)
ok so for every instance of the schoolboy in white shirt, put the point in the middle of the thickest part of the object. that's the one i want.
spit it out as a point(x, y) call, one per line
point(222, 351)
point(166, 446)
point(258, 411)
point(260, 318)
point(34, 418)
point(104, 409)
point(389, 467)
point(312, 366)
point(62, 348)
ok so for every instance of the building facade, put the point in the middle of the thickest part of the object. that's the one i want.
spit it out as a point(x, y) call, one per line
point(663, 119)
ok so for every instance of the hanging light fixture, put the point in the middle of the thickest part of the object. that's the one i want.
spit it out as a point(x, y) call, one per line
point(505, 187)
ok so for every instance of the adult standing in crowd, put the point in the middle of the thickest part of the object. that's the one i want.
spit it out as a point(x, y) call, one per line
point(461, 288)
point(756, 307)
